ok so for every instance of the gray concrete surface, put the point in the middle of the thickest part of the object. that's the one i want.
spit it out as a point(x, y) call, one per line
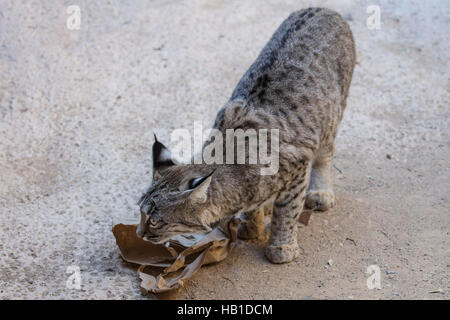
point(77, 112)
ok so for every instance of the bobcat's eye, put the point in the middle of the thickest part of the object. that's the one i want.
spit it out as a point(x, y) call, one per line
point(193, 183)
point(152, 222)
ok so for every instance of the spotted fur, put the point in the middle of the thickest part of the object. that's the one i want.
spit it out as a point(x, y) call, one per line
point(298, 84)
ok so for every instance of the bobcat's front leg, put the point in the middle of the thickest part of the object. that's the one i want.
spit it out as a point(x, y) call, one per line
point(287, 208)
point(254, 225)
point(320, 195)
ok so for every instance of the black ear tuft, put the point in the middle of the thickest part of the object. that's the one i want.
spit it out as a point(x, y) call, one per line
point(161, 156)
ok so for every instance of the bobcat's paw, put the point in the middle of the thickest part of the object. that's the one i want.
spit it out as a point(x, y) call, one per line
point(248, 230)
point(282, 253)
point(320, 200)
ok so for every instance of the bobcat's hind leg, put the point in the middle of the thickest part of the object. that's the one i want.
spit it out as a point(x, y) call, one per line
point(253, 226)
point(283, 245)
point(320, 195)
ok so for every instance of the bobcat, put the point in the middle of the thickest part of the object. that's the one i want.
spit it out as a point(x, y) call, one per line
point(298, 84)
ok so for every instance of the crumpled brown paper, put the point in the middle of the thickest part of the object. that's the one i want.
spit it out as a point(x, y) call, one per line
point(184, 255)
point(304, 217)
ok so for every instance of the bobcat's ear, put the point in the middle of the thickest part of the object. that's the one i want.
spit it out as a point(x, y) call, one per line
point(199, 192)
point(161, 158)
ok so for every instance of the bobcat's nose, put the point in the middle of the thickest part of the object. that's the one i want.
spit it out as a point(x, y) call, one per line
point(140, 232)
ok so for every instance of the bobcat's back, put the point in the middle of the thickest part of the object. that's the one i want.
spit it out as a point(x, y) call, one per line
point(299, 82)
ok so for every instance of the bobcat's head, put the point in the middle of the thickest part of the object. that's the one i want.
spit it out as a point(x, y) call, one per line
point(178, 200)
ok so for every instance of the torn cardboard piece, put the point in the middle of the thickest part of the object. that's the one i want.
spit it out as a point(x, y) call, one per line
point(182, 257)
point(304, 217)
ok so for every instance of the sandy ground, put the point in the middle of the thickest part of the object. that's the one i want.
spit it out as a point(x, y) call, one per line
point(78, 109)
